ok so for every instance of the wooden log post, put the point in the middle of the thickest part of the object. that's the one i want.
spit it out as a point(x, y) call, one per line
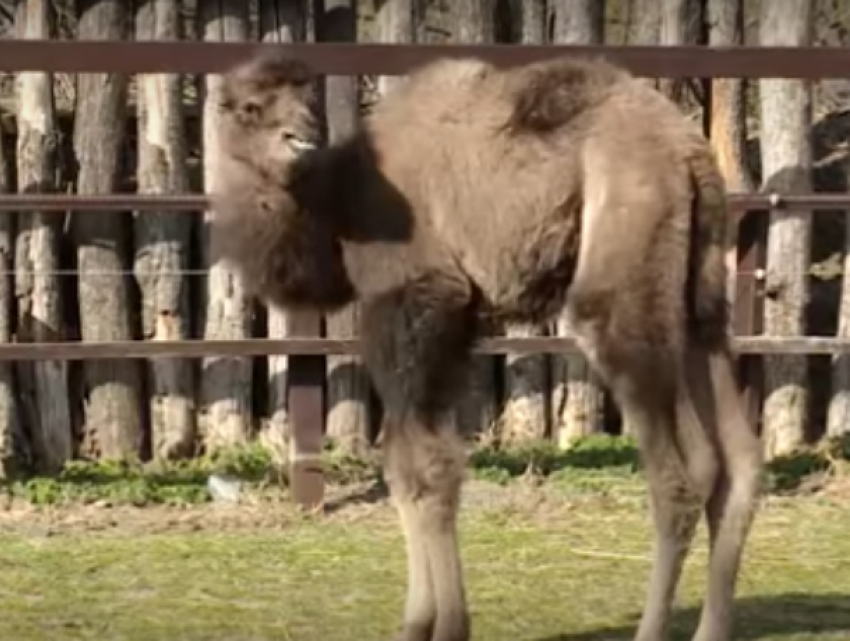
point(728, 122)
point(785, 118)
point(473, 22)
point(43, 386)
point(113, 426)
point(226, 383)
point(162, 239)
point(281, 21)
point(578, 396)
point(348, 419)
point(14, 447)
point(396, 23)
point(526, 415)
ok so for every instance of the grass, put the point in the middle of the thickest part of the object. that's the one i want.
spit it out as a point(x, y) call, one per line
point(555, 545)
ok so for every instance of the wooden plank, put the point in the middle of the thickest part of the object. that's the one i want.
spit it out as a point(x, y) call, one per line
point(73, 56)
point(76, 350)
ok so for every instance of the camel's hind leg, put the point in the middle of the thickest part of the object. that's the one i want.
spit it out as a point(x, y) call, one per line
point(681, 469)
point(642, 362)
point(733, 504)
point(416, 343)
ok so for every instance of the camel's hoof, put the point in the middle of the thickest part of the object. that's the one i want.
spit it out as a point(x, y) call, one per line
point(452, 629)
point(412, 632)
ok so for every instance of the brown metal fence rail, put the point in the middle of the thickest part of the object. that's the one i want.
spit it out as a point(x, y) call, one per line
point(306, 349)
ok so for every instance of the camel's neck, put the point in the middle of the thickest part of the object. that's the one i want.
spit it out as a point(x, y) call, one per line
point(343, 185)
point(327, 185)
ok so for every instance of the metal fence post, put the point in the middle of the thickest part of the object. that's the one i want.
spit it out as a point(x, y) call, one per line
point(748, 316)
point(306, 411)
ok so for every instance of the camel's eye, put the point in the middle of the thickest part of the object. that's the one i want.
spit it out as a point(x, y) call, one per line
point(252, 109)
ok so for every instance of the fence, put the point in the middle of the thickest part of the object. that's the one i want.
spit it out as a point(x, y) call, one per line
point(305, 349)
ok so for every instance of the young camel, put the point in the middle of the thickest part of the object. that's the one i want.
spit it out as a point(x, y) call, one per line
point(472, 194)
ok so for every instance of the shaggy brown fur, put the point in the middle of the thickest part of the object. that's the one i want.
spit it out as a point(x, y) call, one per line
point(473, 192)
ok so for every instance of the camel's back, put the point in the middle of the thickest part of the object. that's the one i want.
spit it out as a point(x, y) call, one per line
point(493, 161)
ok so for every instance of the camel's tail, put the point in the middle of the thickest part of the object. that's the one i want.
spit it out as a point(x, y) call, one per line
point(710, 224)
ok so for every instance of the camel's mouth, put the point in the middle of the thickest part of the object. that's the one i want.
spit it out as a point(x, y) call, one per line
point(301, 145)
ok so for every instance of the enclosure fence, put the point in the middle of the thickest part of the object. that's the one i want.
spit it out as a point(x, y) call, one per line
point(306, 349)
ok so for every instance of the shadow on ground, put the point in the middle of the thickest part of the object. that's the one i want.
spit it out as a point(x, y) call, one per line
point(368, 494)
point(756, 618)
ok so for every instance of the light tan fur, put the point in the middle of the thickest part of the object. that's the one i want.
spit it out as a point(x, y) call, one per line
point(472, 193)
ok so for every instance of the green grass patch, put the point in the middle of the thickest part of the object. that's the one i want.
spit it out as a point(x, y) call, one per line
point(590, 463)
point(558, 574)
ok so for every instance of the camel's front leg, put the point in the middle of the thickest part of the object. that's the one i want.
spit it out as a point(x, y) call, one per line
point(416, 343)
point(423, 467)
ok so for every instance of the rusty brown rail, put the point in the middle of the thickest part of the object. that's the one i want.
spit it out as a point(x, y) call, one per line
point(196, 202)
point(196, 348)
point(79, 56)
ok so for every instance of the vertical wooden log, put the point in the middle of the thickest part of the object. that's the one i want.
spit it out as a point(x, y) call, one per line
point(785, 110)
point(162, 239)
point(226, 382)
point(532, 14)
point(113, 427)
point(728, 127)
point(526, 412)
point(674, 31)
point(396, 23)
point(280, 21)
point(728, 132)
point(14, 448)
point(577, 21)
point(474, 23)
point(578, 397)
point(43, 386)
point(838, 412)
point(644, 22)
point(348, 381)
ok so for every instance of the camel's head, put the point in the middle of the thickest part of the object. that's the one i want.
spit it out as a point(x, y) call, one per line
point(268, 112)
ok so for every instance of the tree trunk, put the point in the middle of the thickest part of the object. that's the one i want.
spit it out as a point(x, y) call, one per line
point(112, 423)
point(728, 108)
point(578, 397)
point(476, 413)
point(162, 239)
point(226, 386)
point(644, 22)
point(280, 21)
point(577, 21)
point(838, 412)
point(786, 165)
point(728, 128)
point(526, 411)
point(533, 16)
point(348, 381)
point(396, 23)
point(680, 24)
point(43, 385)
point(474, 21)
point(14, 449)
